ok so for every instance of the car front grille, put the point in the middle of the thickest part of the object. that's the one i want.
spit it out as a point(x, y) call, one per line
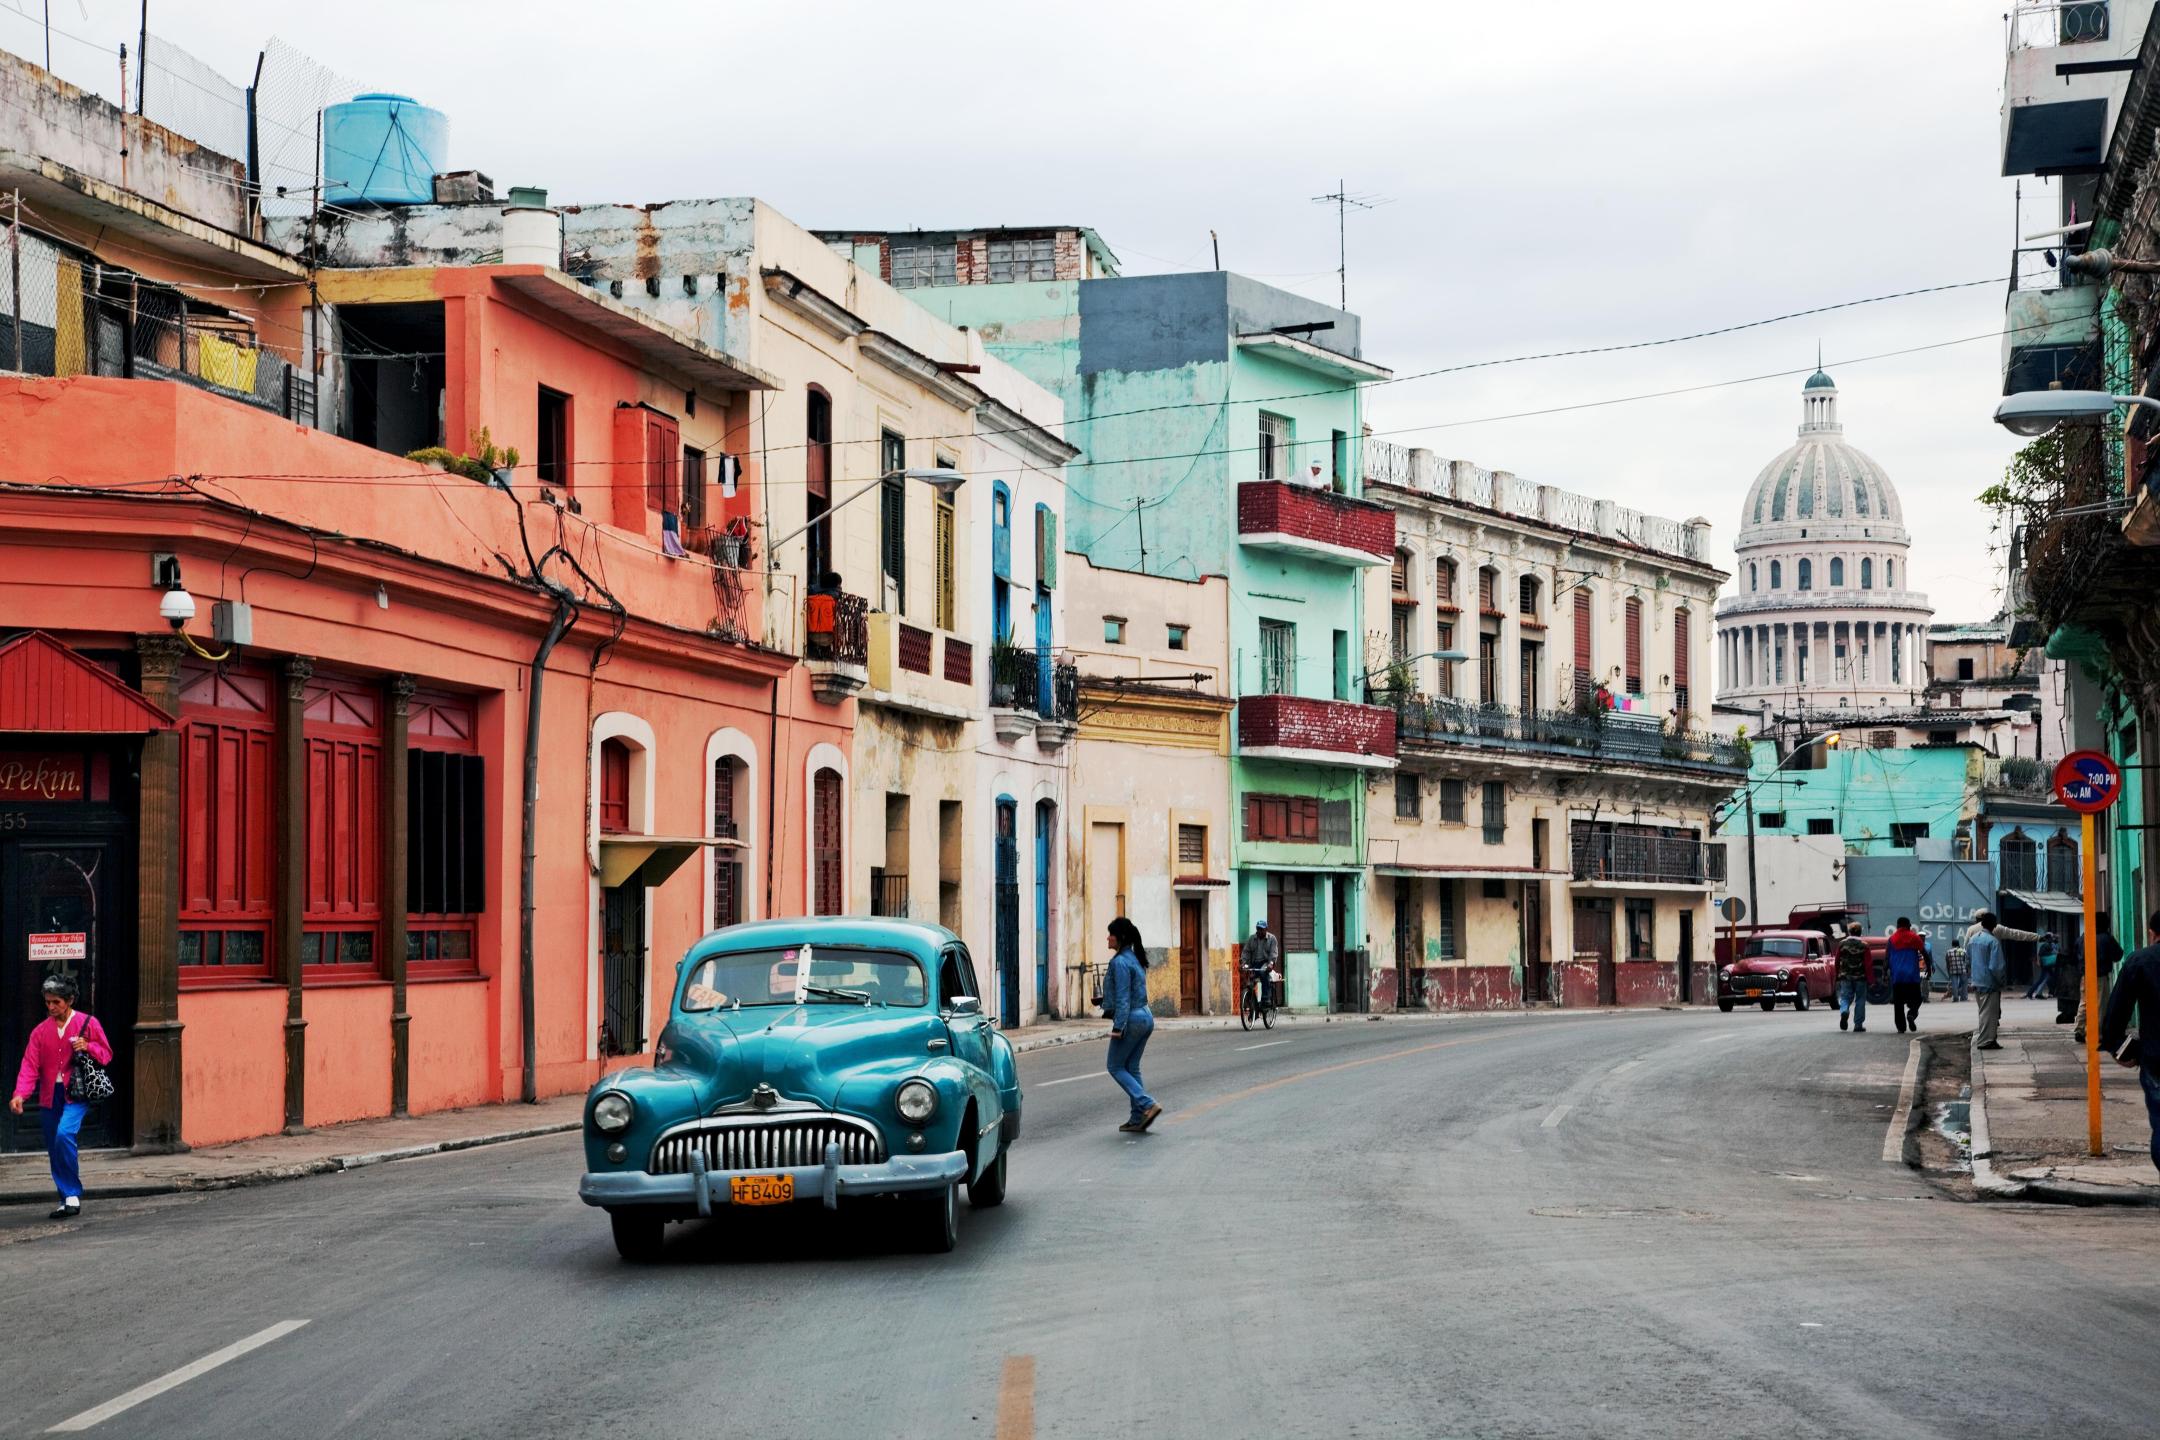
point(751, 1143)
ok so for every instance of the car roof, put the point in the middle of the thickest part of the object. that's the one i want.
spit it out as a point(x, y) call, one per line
point(914, 937)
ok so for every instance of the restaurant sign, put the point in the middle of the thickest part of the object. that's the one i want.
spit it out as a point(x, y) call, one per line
point(28, 775)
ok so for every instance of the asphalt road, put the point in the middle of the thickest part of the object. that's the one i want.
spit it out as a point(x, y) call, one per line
point(1655, 1224)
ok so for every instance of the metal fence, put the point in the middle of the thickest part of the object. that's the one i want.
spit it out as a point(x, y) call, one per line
point(2078, 22)
point(1424, 719)
point(1637, 858)
point(1026, 678)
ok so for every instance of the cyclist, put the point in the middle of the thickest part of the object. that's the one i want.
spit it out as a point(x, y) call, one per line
point(1258, 957)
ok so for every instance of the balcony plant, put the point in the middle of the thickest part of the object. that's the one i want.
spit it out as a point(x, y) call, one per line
point(485, 463)
point(1006, 663)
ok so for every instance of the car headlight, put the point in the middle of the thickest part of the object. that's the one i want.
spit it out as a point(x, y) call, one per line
point(916, 1101)
point(1783, 976)
point(611, 1113)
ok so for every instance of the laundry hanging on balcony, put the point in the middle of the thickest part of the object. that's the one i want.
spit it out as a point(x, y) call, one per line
point(226, 365)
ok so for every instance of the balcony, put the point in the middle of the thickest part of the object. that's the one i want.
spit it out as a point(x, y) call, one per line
point(1034, 691)
point(2051, 321)
point(906, 671)
point(1316, 732)
point(836, 644)
point(1623, 859)
point(1428, 725)
point(2064, 77)
point(1317, 524)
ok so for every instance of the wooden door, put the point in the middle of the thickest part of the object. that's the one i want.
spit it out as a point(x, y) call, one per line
point(1594, 938)
point(1192, 939)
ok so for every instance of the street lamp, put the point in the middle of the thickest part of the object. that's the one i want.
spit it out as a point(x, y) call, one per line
point(944, 481)
point(2035, 412)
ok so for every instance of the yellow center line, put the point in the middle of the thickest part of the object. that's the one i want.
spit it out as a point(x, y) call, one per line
point(1016, 1399)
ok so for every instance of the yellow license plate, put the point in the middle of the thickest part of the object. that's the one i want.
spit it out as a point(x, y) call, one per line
point(1757, 990)
point(761, 1189)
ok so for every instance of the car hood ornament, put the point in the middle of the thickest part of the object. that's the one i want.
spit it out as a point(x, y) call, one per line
point(764, 1097)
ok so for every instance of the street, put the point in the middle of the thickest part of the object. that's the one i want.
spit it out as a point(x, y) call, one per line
point(1652, 1223)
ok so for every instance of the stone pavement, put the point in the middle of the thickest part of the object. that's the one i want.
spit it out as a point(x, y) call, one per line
point(2029, 1120)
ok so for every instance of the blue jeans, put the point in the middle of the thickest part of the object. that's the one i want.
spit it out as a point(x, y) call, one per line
point(2041, 981)
point(1125, 1061)
point(63, 1122)
point(2151, 1082)
point(1852, 995)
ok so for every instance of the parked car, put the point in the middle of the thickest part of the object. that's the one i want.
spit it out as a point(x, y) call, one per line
point(810, 1061)
point(1774, 965)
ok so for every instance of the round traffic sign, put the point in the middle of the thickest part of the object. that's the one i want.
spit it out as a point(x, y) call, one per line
point(2087, 781)
point(1733, 908)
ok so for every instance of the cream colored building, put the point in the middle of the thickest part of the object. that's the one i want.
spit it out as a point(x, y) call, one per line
point(1150, 832)
point(1543, 839)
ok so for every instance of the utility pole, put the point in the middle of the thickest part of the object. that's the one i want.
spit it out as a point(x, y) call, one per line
point(1137, 507)
point(1754, 900)
point(14, 245)
point(1341, 198)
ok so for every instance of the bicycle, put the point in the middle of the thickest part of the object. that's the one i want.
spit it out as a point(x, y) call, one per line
point(1258, 1001)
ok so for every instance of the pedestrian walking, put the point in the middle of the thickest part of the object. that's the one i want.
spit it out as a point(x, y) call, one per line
point(2043, 970)
point(1956, 969)
point(1852, 979)
point(1990, 972)
point(1131, 1021)
point(2111, 954)
point(2137, 988)
point(1907, 952)
point(48, 1066)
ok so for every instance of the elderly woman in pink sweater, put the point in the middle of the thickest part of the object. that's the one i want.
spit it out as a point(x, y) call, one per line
point(52, 1049)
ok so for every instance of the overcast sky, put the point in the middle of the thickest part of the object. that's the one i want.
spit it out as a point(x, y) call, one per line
point(1560, 175)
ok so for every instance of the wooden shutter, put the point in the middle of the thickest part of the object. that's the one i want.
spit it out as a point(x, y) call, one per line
point(825, 814)
point(614, 786)
point(663, 458)
point(1634, 646)
point(1680, 658)
point(1444, 580)
point(1584, 679)
point(942, 548)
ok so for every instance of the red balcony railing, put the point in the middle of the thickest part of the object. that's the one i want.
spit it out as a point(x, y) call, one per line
point(914, 649)
point(1296, 722)
point(1318, 522)
point(959, 660)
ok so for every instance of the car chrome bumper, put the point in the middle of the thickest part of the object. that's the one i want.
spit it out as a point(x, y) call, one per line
point(702, 1189)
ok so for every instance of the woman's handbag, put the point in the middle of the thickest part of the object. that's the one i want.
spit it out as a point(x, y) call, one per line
point(88, 1082)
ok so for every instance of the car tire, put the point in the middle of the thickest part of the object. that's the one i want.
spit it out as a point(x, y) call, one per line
point(988, 1189)
point(639, 1239)
point(1800, 998)
point(1769, 1003)
point(1724, 1004)
point(937, 1219)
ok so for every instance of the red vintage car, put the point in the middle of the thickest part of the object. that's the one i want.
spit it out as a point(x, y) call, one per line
point(1774, 965)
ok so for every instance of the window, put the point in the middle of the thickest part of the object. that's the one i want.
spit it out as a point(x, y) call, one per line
point(1491, 888)
point(1682, 665)
point(1585, 676)
point(445, 836)
point(892, 523)
point(1906, 835)
point(1275, 440)
point(1965, 668)
point(728, 862)
point(1192, 849)
point(1342, 664)
point(1488, 658)
point(2019, 862)
point(943, 530)
point(1882, 739)
point(614, 787)
point(1488, 586)
point(1450, 920)
point(817, 481)
point(1773, 819)
point(2062, 866)
point(1444, 636)
point(1278, 657)
point(1293, 818)
point(1754, 576)
point(1837, 573)
point(552, 453)
point(1399, 574)
point(1444, 581)
point(1634, 646)
point(1335, 822)
point(1406, 797)
point(1176, 637)
point(341, 886)
point(227, 729)
point(693, 488)
point(1867, 573)
point(1889, 574)
point(1402, 632)
point(1495, 812)
point(1714, 863)
point(1340, 449)
point(826, 882)
point(1526, 597)
point(921, 264)
point(1033, 258)
point(1821, 825)
point(1113, 629)
point(1290, 909)
point(1777, 574)
point(1942, 737)
point(663, 463)
point(1641, 930)
point(1451, 802)
point(1807, 575)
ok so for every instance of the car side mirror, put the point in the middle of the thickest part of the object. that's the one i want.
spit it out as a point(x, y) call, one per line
point(964, 1005)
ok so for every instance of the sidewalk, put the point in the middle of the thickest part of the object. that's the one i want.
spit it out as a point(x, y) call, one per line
point(2029, 1124)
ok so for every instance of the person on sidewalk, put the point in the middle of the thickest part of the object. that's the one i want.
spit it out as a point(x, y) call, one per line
point(1908, 973)
point(2111, 954)
point(1260, 954)
point(1990, 972)
point(2043, 980)
point(1131, 1021)
point(46, 1059)
point(1852, 979)
point(1955, 967)
point(2137, 988)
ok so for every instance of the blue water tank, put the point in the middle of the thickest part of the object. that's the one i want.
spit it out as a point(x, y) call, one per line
point(386, 149)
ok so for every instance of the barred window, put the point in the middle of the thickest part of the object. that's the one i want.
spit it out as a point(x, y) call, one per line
point(1495, 812)
point(1406, 797)
point(1451, 802)
point(1450, 926)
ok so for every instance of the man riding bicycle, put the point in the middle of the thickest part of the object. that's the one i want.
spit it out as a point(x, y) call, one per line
point(1258, 958)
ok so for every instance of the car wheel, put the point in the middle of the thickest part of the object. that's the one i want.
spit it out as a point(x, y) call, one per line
point(1800, 998)
point(1769, 1003)
point(638, 1238)
point(937, 1218)
point(1724, 1004)
point(988, 1188)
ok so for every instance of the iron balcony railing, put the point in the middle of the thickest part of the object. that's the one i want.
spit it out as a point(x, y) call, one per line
point(1041, 681)
point(888, 895)
point(2056, 22)
point(836, 628)
point(1424, 721)
point(1639, 859)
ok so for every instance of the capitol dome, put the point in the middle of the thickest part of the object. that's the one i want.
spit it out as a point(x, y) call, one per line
point(1818, 617)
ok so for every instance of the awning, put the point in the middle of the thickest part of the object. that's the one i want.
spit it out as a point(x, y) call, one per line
point(648, 859)
point(1460, 872)
point(2053, 900)
point(46, 687)
point(1196, 882)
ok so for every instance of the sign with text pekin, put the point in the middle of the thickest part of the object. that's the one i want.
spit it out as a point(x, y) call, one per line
point(29, 775)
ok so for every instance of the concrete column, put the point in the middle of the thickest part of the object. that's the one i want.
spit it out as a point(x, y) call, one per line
point(157, 898)
point(289, 895)
point(395, 902)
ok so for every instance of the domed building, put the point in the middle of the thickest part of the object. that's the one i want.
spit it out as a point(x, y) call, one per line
point(1819, 617)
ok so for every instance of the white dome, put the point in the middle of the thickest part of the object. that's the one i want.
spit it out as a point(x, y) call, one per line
point(1821, 482)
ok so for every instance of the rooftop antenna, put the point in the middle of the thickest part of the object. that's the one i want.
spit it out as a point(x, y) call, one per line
point(1341, 198)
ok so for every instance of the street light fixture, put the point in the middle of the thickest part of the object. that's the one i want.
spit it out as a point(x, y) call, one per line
point(2035, 412)
point(945, 482)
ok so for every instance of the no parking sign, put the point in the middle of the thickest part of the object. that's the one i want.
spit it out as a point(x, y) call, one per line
point(2087, 781)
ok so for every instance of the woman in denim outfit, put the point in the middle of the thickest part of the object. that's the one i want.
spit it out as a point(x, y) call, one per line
point(1131, 1021)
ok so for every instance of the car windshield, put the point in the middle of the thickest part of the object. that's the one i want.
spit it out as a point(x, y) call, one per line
point(800, 974)
point(1773, 949)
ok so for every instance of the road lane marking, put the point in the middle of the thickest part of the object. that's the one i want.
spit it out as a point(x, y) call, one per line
point(1016, 1399)
point(99, 1414)
point(1713, 1039)
point(1893, 1145)
point(1627, 1065)
point(1263, 1045)
point(1066, 1081)
point(1559, 1113)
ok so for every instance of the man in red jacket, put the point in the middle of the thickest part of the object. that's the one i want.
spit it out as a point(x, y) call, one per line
point(1908, 974)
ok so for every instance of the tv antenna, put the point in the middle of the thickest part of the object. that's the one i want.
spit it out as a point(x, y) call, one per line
point(1344, 201)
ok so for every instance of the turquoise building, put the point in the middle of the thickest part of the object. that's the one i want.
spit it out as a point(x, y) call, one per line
point(1878, 801)
point(1220, 424)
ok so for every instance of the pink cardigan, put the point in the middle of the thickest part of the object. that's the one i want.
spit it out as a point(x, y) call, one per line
point(47, 1056)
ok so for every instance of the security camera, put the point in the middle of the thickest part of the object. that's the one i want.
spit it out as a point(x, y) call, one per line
point(177, 608)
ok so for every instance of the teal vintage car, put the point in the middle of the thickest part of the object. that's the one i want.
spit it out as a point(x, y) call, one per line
point(810, 1060)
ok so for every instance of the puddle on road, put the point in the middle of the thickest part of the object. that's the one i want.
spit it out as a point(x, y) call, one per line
point(1952, 1120)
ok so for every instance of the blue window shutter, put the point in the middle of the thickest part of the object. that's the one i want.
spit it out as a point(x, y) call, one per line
point(1001, 532)
point(1046, 548)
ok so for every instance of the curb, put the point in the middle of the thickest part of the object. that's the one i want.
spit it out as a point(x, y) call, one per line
point(1992, 1186)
